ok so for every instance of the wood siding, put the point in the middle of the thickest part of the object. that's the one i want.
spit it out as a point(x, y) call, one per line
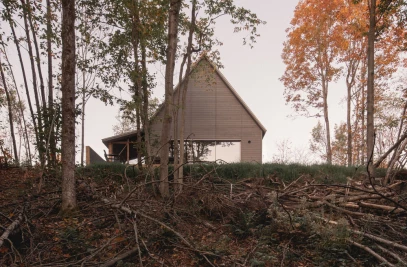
point(213, 112)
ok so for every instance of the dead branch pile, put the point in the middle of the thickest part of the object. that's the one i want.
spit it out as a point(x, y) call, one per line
point(213, 222)
point(373, 214)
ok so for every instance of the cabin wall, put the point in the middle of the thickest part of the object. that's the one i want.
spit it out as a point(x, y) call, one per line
point(214, 113)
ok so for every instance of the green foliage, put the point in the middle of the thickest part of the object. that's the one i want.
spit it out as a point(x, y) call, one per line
point(323, 173)
point(100, 171)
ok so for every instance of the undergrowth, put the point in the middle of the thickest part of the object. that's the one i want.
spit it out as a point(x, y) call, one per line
point(323, 173)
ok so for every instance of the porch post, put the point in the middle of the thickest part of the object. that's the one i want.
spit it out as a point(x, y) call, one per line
point(128, 151)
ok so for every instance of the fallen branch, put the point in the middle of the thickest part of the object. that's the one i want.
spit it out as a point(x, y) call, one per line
point(344, 210)
point(122, 256)
point(381, 240)
point(11, 228)
point(394, 255)
point(371, 252)
point(381, 207)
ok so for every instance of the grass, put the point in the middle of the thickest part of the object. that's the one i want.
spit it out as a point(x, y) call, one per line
point(238, 171)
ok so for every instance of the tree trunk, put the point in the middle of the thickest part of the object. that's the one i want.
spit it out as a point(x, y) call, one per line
point(37, 52)
point(184, 93)
point(173, 20)
point(22, 116)
point(68, 106)
point(145, 118)
point(83, 118)
point(10, 114)
point(350, 82)
point(363, 118)
point(135, 34)
point(40, 144)
point(52, 141)
point(326, 119)
point(348, 123)
point(398, 150)
point(16, 41)
point(370, 132)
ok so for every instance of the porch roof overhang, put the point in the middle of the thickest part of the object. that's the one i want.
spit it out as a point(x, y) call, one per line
point(120, 137)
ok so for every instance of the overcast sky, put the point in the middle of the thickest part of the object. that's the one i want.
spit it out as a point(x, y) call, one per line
point(254, 73)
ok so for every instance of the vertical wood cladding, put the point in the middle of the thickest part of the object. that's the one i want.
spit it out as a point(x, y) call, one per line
point(214, 112)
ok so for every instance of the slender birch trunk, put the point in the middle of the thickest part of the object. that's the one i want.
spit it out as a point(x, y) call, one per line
point(135, 33)
point(40, 145)
point(184, 93)
point(10, 114)
point(145, 118)
point(173, 20)
point(22, 116)
point(52, 141)
point(16, 41)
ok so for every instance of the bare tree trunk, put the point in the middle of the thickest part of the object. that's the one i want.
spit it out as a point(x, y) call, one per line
point(44, 113)
point(370, 132)
point(398, 150)
point(363, 118)
point(326, 119)
point(184, 93)
point(68, 106)
point(173, 20)
point(145, 118)
point(23, 72)
point(22, 116)
point(83, 118)
point(52, 142)
point(135, 33)
point(40, 145)
point(10, 114)
point(350, 82)
point(37, 52)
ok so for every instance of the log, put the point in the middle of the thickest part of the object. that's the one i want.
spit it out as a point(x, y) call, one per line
point(11, 228)
point(381, 207)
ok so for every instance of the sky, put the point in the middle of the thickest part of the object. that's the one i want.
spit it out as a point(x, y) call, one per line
point(254, 74)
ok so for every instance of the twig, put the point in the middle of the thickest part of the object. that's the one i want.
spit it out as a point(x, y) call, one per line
point(84, 260)
point(138, 244)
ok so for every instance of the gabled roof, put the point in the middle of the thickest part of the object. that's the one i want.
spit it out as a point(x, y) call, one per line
point(205, 57)
point(223, 78)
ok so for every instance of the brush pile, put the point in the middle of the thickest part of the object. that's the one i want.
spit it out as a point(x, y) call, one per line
point(213, 222)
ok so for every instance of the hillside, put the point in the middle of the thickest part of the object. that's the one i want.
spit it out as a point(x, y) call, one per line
point(270, 220)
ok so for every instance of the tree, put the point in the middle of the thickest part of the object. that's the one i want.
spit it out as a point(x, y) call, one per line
point(309, 55)
point(10, 113)
point(381, 17)
point(340, 145)
point(173, 21)
point(68, 106)
point(318, 141)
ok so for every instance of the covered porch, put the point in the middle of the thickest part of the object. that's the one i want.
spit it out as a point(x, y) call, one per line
point(122, 148)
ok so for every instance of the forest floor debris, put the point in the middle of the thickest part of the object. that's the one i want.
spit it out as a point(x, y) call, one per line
point(216, 222)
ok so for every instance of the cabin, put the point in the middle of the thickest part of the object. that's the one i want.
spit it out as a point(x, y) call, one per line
point(217, 119)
